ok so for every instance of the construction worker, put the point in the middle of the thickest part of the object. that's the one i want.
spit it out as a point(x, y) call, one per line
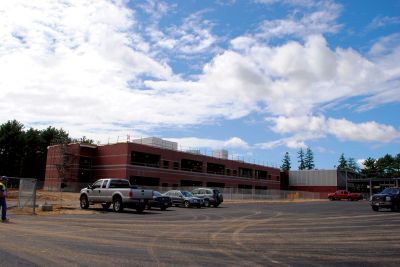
point(3, 204)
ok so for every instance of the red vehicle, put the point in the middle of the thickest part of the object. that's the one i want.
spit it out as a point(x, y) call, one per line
point(343, 194)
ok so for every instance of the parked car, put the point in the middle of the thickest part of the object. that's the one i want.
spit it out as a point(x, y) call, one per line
point(343, 194)
point(184, 198)
point(159, 201)
point(117, 192)
point(389, 198)
point(210, 196)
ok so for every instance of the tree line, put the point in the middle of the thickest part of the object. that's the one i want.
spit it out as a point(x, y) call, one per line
point(23, 152)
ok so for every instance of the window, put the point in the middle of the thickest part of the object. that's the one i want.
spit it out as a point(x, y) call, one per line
point(165, 164)
point(176, 165)
point(215, 168)
point(145, 159)
point(119, 184)
point(245, 172)
point(104, 184)
point(260, 174)
point(191, 165)
point(97, 184)
point(228, 172)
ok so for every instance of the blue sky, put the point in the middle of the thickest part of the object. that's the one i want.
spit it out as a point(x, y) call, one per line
point(257, 77)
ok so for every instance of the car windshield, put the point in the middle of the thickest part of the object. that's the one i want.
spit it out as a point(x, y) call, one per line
point(390, 191)
point(156, 193)
point(187, 194)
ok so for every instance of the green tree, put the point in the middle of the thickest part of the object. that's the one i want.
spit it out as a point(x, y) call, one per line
point(33, 163)
point(396, 166)
point(83, 140)
point(11, 148)
point(286, 162)
point(385, 166)
point(342, 162)
point(23, 153)
point(309, 159)
point(369, 168)
point(353, 165)
point(300, 156)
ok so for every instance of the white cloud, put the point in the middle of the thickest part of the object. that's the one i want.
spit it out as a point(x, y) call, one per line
point(307, 128)
point(360, 163)
point(362, 132)
point(192, 36)
point(236, 142)
point(88, 65)
point(321, 19)
point(383, 21)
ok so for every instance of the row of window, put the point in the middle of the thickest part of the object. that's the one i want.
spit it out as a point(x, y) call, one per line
point(152, 160)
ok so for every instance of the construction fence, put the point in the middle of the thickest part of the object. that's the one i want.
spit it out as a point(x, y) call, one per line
point(228, 192)
point(21, 193)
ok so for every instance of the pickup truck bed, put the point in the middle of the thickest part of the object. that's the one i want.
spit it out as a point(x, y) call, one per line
point(116, 192)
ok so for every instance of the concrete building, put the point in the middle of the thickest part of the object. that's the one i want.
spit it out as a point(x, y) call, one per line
point(152, 162)
point(321, 180)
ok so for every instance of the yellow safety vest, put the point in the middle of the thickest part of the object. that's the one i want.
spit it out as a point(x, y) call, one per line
point(3, 187)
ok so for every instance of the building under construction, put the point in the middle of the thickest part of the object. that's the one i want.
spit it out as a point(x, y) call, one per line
point(153, 162)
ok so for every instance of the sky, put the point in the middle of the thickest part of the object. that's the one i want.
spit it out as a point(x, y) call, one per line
point(258, 78)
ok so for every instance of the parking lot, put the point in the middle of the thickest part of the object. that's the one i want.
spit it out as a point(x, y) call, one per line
point(316, 233)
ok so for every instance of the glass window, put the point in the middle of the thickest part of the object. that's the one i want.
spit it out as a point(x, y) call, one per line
point(104, 184)
point(97, 184)
point(119, 184)
point(187, 194)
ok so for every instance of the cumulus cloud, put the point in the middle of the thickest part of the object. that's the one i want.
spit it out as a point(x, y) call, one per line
point(315, 127)
point(87, 64)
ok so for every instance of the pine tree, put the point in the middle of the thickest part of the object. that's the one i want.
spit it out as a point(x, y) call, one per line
point(352, 164)
point(301, 159)
point(309, 159)
point(342, 162)
point(286, 162)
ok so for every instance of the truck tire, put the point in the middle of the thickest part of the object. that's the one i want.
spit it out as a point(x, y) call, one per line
point(106, 206)
point(206, 203)
point(84, 202)
point(140, 208)
point(375, 208)
point(117, 204)
point(331, 198)
point(163, 208)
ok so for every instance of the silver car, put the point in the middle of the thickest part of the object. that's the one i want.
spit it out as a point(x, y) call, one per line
point(210, 196)
point(184, 198)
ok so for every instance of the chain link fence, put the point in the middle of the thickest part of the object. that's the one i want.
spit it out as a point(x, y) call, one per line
point(229, 193)
point(21, 193)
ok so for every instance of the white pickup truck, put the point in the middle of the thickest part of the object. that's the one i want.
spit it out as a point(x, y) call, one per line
point(117, 192)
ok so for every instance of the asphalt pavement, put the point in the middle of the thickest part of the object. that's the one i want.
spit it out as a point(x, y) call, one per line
point(338, 233)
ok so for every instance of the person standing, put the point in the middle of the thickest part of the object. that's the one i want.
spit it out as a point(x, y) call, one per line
point(3, 203)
